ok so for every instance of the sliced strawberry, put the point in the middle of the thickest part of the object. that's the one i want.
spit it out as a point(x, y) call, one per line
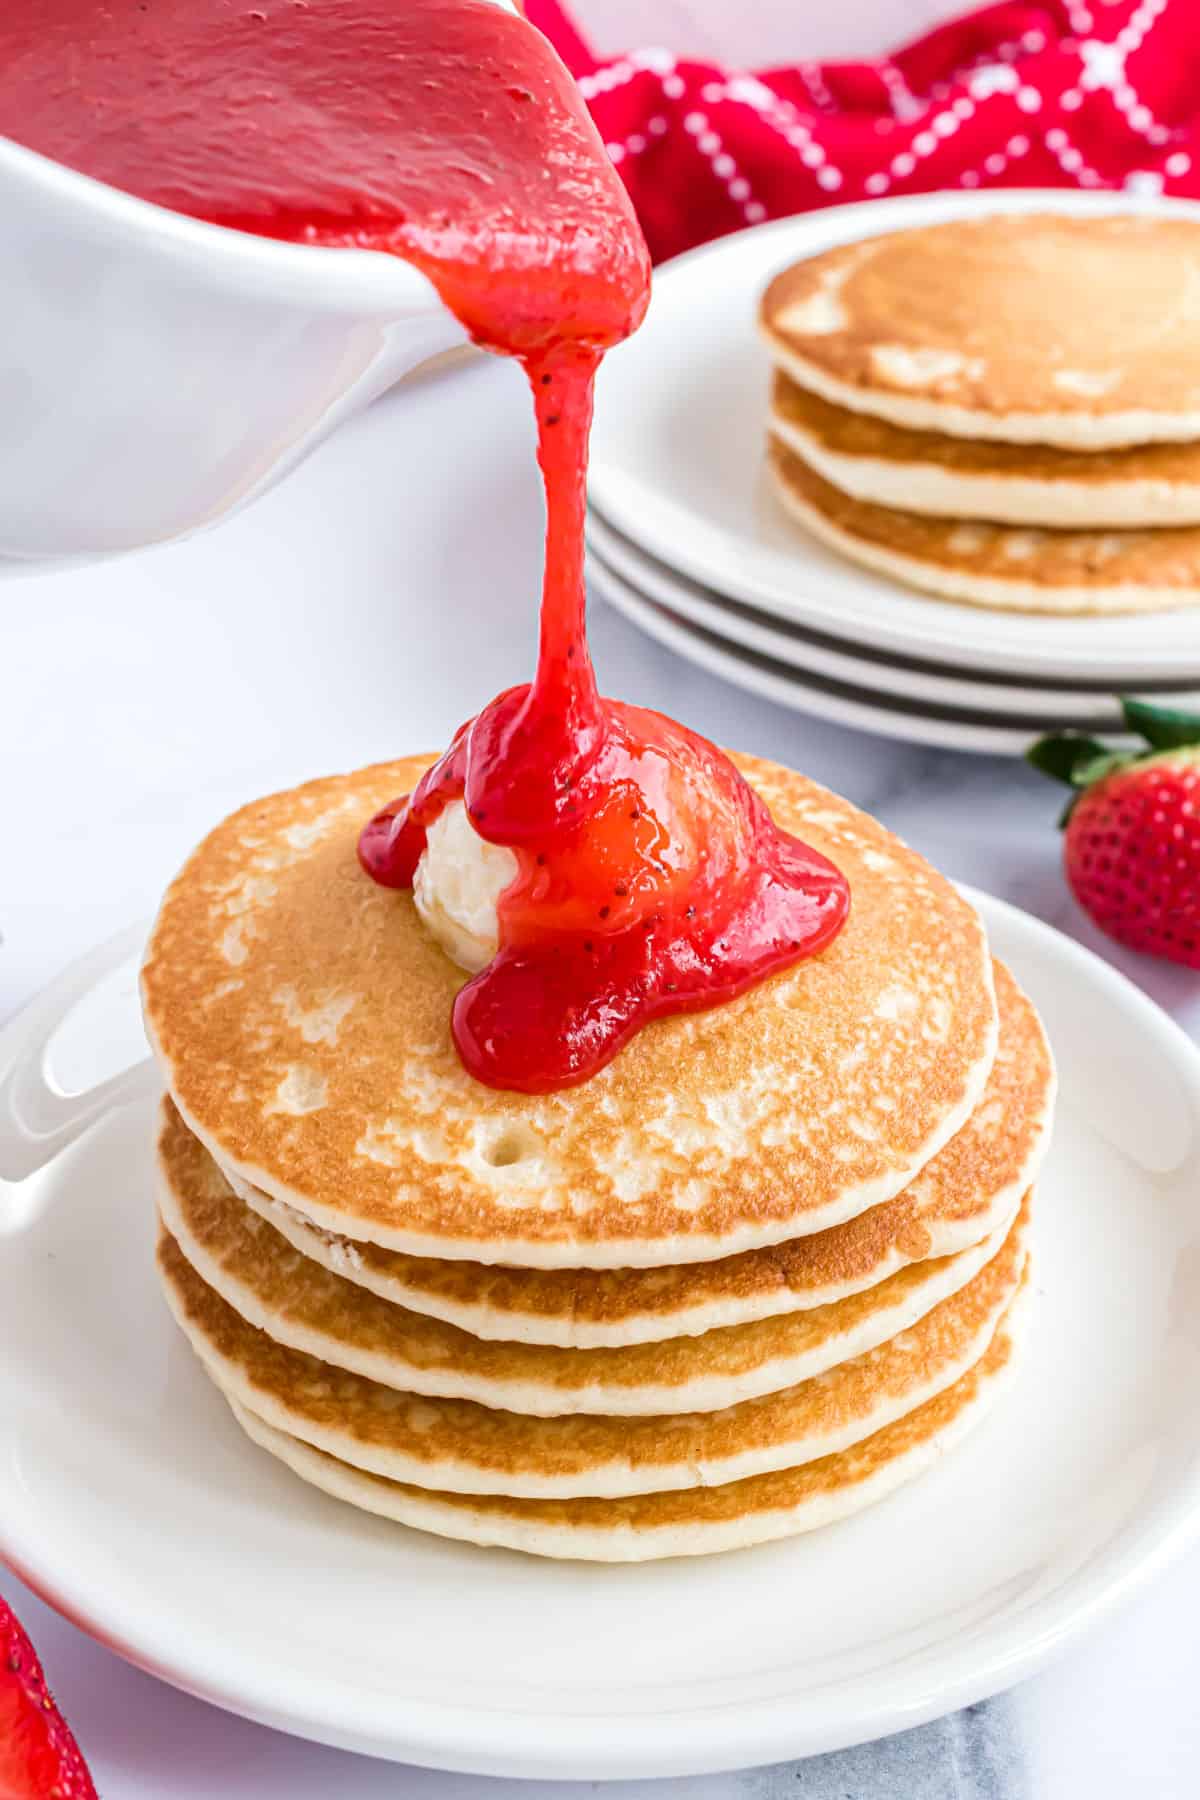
point(39, 1758)
point(1132, 844)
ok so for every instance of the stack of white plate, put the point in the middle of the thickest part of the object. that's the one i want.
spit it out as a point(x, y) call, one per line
point(686, 540)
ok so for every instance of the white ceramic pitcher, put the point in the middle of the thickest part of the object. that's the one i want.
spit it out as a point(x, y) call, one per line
point(157, 373)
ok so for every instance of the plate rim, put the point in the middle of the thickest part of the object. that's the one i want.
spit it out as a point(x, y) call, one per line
point(610, 546)
point(924, 726)
point(790, 646)
point(467, 1738)
point(671, 542)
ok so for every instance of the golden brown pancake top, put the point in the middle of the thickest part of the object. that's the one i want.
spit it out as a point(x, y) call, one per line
point(302, 1017)
point(1024, 313)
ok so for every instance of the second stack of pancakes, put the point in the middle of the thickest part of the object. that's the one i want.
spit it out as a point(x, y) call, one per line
point(1003, 410)
point(766, 1266)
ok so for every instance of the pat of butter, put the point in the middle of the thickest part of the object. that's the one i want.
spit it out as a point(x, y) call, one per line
point(458, 882)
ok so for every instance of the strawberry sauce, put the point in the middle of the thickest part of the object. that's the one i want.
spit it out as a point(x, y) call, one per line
point(651, 879)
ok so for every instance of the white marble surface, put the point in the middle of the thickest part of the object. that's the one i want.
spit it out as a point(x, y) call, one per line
point(363, 610)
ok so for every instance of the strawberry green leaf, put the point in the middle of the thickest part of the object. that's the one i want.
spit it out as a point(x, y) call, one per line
point(1066, 755)
point(1164, 727)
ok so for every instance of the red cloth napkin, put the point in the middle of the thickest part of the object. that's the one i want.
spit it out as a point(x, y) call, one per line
point(1102, 94)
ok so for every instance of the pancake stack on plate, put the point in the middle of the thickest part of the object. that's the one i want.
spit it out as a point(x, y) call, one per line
point(998, 407)
point(1001, 410)
point(766, 1266)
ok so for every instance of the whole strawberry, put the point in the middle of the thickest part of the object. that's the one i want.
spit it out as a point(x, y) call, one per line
point(1132, 845)
point(39, 1758)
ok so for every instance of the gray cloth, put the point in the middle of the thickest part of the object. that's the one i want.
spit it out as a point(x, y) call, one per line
point(970, 1755)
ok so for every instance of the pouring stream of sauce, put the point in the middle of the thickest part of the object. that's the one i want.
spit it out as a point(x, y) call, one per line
point(651, 879)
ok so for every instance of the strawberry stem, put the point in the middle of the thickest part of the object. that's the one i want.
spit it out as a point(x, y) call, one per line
point(1067, 756)
point(1071, 757)
point(1078, 760)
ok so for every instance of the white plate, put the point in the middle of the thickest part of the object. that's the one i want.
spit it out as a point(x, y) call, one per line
point(1090, 707)
point(822, 654)
point(845, 703)
point(677, 464)
point(131, 1501)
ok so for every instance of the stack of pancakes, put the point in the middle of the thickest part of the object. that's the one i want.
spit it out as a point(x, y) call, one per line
point(1003, 410)
point(760, 1270)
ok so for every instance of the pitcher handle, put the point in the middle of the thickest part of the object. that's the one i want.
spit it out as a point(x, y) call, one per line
point(37, 1119)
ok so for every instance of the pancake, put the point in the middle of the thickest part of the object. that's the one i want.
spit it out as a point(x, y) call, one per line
point(966, 1192)
point(301, 1015)
point(459, 1446)
point(302, 1305)
point(1031, 328)
point(979, 478)
point(1015, 569)
point(687, 1521)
